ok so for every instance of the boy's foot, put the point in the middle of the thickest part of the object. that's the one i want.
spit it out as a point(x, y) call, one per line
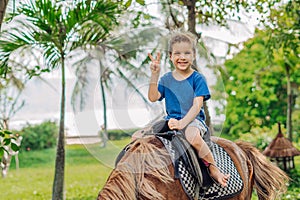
point(218, 176)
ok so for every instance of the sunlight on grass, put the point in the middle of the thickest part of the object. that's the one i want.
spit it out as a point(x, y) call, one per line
point(26, 183)
point(85, 181)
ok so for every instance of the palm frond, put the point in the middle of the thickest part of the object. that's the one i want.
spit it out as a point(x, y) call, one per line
point(90, 34)
point(129, 44)
point(79, 96)
point(52, 55)
point(93, 21)
point(133, 69)
point(43, 14)
point(35, 32)
point(132, 85)
point(11, 42)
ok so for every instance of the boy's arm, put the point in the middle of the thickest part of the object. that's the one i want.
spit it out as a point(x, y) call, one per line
point(153, 93)
point(190, 116)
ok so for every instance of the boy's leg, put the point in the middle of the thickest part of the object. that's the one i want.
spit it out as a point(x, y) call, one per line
point(193, 136)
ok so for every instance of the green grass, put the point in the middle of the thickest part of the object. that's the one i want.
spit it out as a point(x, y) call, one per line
point(86, 171)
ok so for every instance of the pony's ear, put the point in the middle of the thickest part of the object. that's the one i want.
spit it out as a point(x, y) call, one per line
point(160, 126)
point(121, 154)
point(141, 133)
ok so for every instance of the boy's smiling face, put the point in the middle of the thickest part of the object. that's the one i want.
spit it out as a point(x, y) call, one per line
point(182, 55)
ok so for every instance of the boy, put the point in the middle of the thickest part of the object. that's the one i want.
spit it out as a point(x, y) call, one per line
point(184, 91)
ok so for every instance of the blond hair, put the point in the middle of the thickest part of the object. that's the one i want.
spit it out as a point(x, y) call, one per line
point(182, 36)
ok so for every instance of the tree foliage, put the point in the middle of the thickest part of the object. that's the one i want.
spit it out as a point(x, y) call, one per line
point(284, 31)
point(7, 140)
point(284, 49)
point(256, 88)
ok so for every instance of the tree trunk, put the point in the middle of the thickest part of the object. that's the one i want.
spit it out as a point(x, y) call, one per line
point(3, 5)
point(6, 158)
point(289, 105)
point(102, 80)
point(5, 124)
point(191, 5)
point(58, 184)
point(104, 130)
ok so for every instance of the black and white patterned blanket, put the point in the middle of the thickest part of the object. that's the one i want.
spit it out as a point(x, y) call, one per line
point(225, 164)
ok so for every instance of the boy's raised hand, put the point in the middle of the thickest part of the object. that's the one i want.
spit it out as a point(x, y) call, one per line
point(155, 64)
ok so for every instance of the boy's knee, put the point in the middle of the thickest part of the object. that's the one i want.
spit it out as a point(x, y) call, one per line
point(192, 134)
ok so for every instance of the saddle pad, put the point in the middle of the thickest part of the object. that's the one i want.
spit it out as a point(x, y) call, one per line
point(224, 163)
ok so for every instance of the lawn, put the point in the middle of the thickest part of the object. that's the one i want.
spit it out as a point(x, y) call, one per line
point(85, 173)
point(87, 168)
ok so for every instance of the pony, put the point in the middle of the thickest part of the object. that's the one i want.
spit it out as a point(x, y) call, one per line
point(146, 172)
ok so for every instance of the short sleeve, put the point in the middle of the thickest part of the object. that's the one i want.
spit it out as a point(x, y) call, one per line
point(161, 89)
point(201, 87)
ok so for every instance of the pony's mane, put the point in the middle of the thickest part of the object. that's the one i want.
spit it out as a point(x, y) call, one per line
point(145, 158)
point(115, 187)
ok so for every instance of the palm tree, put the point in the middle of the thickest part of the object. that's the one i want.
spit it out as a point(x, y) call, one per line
point(55, 30)
point(125, 48)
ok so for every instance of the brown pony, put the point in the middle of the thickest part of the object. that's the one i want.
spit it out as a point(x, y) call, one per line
point(146, 172)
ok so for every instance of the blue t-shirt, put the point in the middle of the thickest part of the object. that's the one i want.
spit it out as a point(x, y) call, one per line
point(179, 95)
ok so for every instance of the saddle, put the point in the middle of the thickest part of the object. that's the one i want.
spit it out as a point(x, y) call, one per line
point(189, 174)
point(184, 158)
point(191, 170)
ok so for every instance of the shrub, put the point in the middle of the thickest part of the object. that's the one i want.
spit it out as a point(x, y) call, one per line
point(40, 136)
point(118, 134)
